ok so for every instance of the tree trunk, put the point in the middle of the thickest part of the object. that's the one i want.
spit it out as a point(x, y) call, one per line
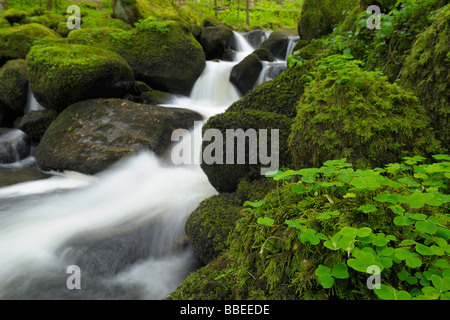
point(3, 4)
point(247, 9)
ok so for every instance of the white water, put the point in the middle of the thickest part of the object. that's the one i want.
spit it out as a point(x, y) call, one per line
point(123, 227)
point(32, 103)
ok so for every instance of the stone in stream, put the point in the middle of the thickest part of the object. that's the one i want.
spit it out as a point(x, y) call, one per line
point(91, 135)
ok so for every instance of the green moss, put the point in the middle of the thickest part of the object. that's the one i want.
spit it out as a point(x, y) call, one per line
point(163, 54)
point(14, 15)
point(208, 227)
point(347, 112)
point(14, 84)
point(143, 9)
point(17, 41)
point(64, 74)
point(426, 73)
point(225, 177)
point(319, 17)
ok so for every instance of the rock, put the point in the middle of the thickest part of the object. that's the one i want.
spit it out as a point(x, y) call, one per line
point(277, 44)
point(91, 135)
point(35, 123)
point(207, 228)
point(66, 73)
point(155, 97)
point(215, 40)
point(14, 145)
point(163, 54)
point(426, 73)
point(224, 176)
point(244, 74)
point(14, 85)
point(319, 17)
point(17, 41)
point(133, 11)
point(360, 116)
point(14, 15)
point(264, 54)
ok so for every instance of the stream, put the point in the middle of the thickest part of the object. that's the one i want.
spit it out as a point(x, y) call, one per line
point(124, 227)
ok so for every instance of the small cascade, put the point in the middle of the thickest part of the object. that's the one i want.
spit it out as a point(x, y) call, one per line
point(14, 146)
point(243, 47)
point(270, 71)
point(32, 103)
point(292, 42)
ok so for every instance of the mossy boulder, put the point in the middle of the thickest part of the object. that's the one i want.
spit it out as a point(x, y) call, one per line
point(207, 228)
point(155, 97)
point(277, 44)
point(14, 15)
point(264, 54)
point(426, 73)
point(17, 41)
point(279, 95)
point(91, 135)
point(215, 40)
point(131, 11)
point(4, 24)
point(63, 74)
point(14, 85)
point(245, 160)
point(50, 20)
point(347, 112)
point(163, 54)
point(319, 17)
point(244, 74)
point(35, 123)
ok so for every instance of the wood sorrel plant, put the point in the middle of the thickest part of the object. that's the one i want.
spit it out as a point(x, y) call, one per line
point(395, 219)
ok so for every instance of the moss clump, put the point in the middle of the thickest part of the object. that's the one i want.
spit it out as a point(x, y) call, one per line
point(319, 17)
point(347, 112)
point(163, 54)
point(208, 227)
point(14, 15)
point(17, 41)
point(426, 73)
point(63, 74)
point(226, 176)
point(133, 11)
point(14, 85)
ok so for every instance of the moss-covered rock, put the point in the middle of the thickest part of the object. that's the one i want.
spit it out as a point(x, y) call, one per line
point(277, 44)
point(264, 54)
point(91, 135)
point(14, 85)
point(155, 97)
point(50, 20)
point(244, 74)
point(135, 10)
point(14, 15)
point(17, 41)
point(347, 112)
point(4, 24)
point(215, 40)
point(318, 17)
point(163, 54)
point(279, 95)
point(63, 74)
point(225, 175)
point(207, 228)
point(35, 123)
point(426, 73)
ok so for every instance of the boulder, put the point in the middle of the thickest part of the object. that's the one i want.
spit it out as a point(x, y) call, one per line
point(256, 37)
point(208, 227)
point(244, 74)
point(360, 116)
point(163, 54)
point(155, 97)
point(131, 11)
point(15, 15)
point(17, 41)
point(277, 44)
point(264, 54)
point(35, 123)
point(14, 85)
point(215, 40)
point(91, 135)
point(426, 73)
point(63, 74)
point(319, 17)
point(225, 175)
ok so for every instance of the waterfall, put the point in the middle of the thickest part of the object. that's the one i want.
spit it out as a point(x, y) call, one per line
point(123, 227)
point(14, 146)
point(32, 104)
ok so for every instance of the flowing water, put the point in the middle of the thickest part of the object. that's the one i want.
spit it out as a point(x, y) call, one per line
point(124, 227)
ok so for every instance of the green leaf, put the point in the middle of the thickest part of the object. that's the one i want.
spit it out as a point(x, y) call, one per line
point(385, 292)
point(327, 215)
point(367, 208)
point(254, 204)
point(340, 271)
point(424, 250)
point(365, 183)
point(363, 232)
point(266, 221)
point(426, 226)
point(296, 224)
point(403, 221)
